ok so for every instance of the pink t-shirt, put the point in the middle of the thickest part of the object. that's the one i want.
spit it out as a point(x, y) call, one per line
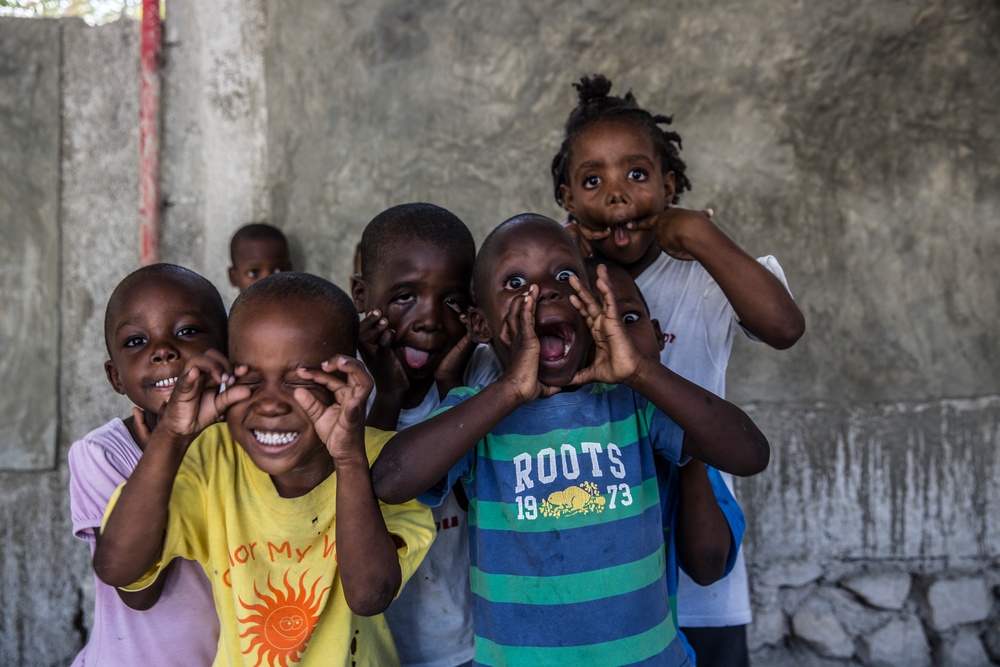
point(182, 628)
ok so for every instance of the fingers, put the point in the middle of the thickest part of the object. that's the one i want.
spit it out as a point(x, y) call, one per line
point(140, 428)
point(584, 300)
point(591, 235)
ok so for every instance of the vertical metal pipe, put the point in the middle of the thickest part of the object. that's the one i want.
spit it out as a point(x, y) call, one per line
point(149, 134)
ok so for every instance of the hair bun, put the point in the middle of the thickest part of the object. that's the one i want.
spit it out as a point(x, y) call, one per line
point(592, 87)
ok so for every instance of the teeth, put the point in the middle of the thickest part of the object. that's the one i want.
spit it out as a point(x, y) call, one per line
point(169, 382)
point(275, 438)
point(565, 348)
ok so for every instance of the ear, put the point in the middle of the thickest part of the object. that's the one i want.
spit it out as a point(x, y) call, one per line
point(358, 292)
point(113, 377)
point(567, 197)
point(660, 340)
point(669, 187)
point(478, 331)
point(232, 277)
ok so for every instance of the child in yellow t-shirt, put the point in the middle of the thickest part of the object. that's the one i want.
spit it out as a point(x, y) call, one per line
point(276, 503)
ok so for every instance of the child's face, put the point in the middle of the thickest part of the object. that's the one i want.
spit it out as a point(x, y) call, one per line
point(274, 340)
point(257, 258)
point(615, 177)
point(538, 253)
point(422, 291)
point(157, 326)
point(645, 332)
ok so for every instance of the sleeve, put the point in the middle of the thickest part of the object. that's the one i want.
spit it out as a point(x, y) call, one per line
point(434, 496)
point(411, 521)
point(772, 265)
point(483, 367)
point(733, 513)
point(666, 436)
point(94, 474)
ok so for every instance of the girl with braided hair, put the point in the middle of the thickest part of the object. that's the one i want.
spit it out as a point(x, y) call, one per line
point(619, 175)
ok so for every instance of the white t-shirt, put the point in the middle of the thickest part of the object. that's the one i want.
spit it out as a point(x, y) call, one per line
point(431, 620)
point(699, 326)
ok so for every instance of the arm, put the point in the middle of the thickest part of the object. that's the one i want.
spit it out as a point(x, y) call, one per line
point(420, 456)
point(763, 305)
point(703, 539)
point(366, 552)
point(133, 535)
point(715, 431)
point(139, 600)
point(375, 345)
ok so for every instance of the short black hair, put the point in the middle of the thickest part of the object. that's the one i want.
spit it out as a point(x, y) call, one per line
point(255, 231)
point(595, 105)
point(593, 262)
point(484, 258)
point(406, 223)
point(196, 284)
point(293, 287)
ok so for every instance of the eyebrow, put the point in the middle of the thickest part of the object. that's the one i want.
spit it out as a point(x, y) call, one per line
point(598, 162)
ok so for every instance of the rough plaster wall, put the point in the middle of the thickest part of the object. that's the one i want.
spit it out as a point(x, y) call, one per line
point(29, 253)
point(835, 136)
point(215, 174)
point(46, 572)
point(857, 142)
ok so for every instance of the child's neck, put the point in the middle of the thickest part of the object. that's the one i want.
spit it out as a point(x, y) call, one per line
point(637, 267)
point(415, 395)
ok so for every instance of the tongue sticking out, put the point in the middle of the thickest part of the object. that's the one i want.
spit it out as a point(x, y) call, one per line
point(416, 358)
point(621, 236)
point(552, 347)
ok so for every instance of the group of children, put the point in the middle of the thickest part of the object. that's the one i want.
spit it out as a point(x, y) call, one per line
point(532, 436)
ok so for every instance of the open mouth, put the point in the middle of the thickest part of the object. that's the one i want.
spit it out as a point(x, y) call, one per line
point(275, 438)
point(555, 340)
point(620, 234)
point(416, 359)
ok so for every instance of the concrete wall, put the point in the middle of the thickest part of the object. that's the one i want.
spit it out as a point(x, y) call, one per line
point(857, 142)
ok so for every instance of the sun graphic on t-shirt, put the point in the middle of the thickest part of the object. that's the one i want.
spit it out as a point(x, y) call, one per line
point(281, 625)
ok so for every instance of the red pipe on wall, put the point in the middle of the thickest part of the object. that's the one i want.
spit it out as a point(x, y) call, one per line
point(149, 134)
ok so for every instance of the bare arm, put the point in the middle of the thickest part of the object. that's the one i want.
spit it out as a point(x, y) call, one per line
point(703, 538)
point(715, 431)
point(375, 340)
point(762, 303)
point(132, 539)
point(420, 456)
point(366, 552)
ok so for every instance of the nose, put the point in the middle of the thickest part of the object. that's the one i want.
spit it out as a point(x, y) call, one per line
point(269, 401)
point(164, 351)
point(427, 316)
point(617, 192)
point(550, 290)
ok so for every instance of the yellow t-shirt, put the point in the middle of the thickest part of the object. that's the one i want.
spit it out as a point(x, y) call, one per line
point(273, 561)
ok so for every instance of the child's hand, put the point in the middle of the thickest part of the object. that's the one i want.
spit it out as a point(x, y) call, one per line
point(203, 393)
point(375, 340)
point(518, 334)
point(450, 373)
point(140, 429)
point(341, 425)
point(675, 228)
point(584, 236)
point(616, 358)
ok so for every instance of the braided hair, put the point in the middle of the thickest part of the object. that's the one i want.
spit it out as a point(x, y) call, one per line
point(595, 106)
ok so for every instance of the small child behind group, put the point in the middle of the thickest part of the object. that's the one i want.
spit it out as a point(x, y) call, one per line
point(557, 459)
point(702, 521)
point(276, 503)
point(414, 286)
point(257, 250)
point(157, 319)
point(617, 173)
